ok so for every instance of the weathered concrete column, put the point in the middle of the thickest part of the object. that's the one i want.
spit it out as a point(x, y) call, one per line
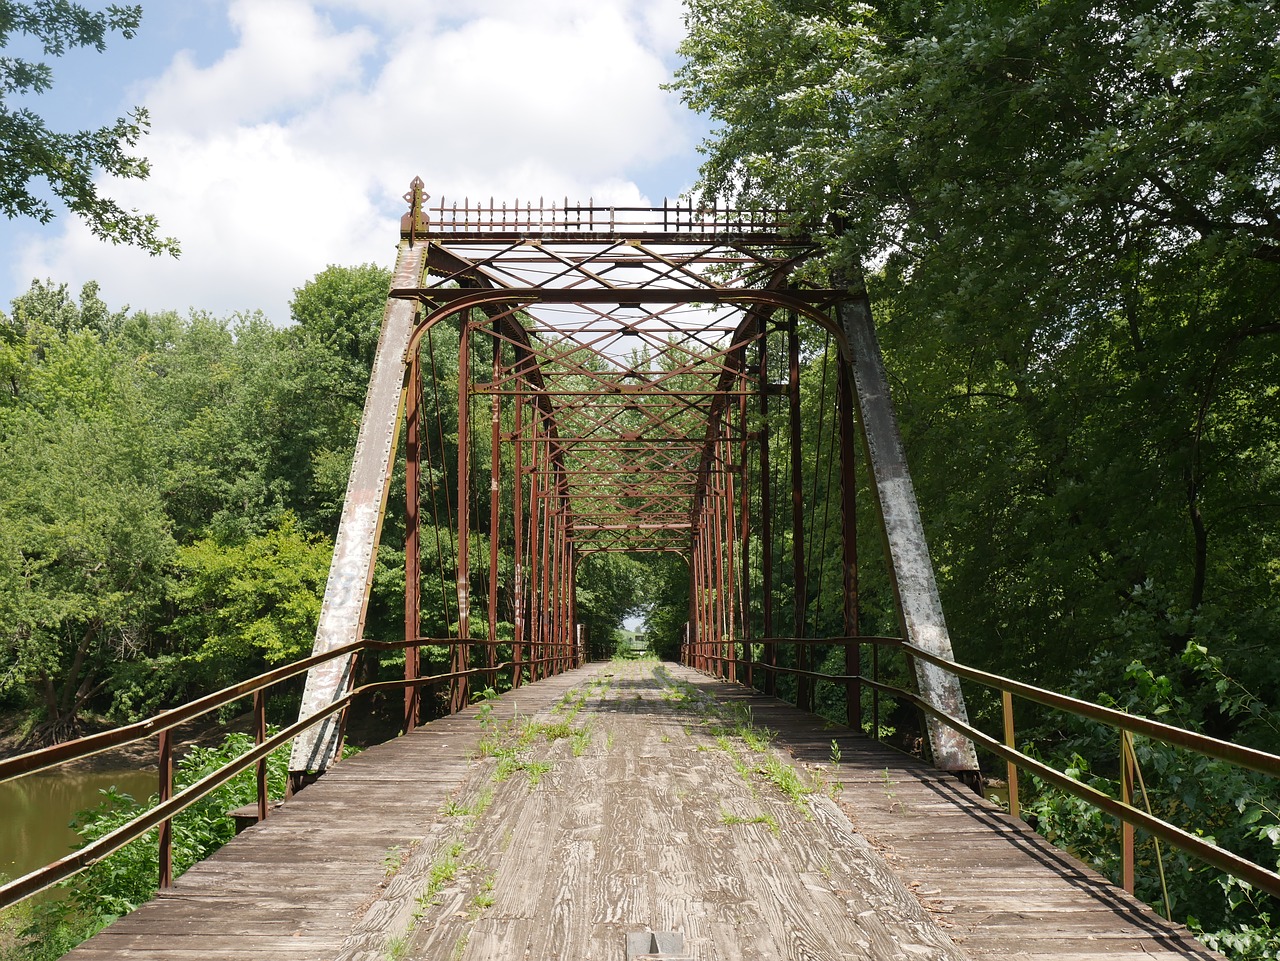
point(910, 567)
point(346, 593)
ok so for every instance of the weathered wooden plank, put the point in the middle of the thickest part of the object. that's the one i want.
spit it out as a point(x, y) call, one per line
point(946, 841)
point(293, 887)
point(635, 833)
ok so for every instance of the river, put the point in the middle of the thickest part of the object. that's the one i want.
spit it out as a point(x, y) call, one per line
point(36, 811)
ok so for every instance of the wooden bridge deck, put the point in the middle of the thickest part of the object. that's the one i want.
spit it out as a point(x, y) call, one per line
point(650, 816)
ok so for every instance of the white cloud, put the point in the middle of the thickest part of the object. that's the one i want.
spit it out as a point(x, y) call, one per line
point(291, 150)
point(288, 57)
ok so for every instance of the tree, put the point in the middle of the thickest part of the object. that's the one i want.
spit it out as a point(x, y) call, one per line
point(1070, 222)
point(252, 603)
point(84, 541)
point(69, 162)
point(1068, 219)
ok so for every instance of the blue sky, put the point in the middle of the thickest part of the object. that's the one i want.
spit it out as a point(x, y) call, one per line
point(284, 132)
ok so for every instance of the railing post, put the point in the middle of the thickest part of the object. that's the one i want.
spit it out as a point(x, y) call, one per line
point(875, 691)
point(1011, 769)
point(165, 763)
point(260, 735)
point(1126, 796)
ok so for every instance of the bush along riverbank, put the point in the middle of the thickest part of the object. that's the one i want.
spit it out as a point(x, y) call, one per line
point(45, 929)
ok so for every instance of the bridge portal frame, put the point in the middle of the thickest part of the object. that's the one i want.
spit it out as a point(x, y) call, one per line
point(494, 269)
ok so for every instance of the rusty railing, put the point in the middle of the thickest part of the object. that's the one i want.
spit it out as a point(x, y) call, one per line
point(162, 726)
point(714, 658)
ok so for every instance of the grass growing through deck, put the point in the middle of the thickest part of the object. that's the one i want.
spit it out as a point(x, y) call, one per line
point(731, 726)
point(728, 817)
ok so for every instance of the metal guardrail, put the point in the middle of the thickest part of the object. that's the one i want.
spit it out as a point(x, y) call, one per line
point(163, 725)
point(1122, 808)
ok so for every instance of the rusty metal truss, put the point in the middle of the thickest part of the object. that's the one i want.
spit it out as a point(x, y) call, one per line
point(612, 365)
point(627, 330)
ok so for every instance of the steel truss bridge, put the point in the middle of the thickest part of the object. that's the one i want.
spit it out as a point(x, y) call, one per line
point(619, 376)
point(630, 357)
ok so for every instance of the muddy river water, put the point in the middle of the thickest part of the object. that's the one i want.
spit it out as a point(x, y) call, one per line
point(36, 811)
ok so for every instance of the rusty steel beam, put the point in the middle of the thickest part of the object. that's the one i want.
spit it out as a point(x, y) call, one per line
point(517, 508)
point(770, 652)
point(800, 603)
point(744, 563)
point(849, 543)
point(412, 544)
point(458, 687)
point(910, 567)
point(495, 498)
point(346, 593)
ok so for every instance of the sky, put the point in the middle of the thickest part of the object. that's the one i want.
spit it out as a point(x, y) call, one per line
point(284, 133)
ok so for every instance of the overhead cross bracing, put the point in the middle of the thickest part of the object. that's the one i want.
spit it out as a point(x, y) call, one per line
point(629, 325)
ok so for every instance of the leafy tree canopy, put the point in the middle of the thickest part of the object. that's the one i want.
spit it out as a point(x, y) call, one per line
point(68, 162)
point(956, 139)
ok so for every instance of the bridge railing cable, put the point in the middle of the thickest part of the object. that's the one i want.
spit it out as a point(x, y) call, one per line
point(1122, 808)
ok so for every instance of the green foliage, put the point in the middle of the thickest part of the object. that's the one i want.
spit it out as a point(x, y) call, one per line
point(170, 494)
point(340, 311)
point(84, 538)
point(254, 602)
point(120, 882)
point(68, 164)
point(1233, 807)
point(1067, 218)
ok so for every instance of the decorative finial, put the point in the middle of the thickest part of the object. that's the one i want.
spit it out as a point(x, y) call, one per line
point(414, 222)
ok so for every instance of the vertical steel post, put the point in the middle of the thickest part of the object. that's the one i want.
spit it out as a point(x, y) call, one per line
point(495, 502)
point(849, 544)
point(804, 685)
point(462, 649)
point(744, 514)
point(695, 625)
point(770, 651)
point(1011, 769)
point(259, 736)
point(557, 595)
point(412, 542)
point(533, 624)
point(731, 579)
point(721, 627)
point(517, 508)
point(700, 608)
point(557, 586)
point(709, 634)
point(165, 762)
point(691, 623)
point(544, 564)
point(1127, 778)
